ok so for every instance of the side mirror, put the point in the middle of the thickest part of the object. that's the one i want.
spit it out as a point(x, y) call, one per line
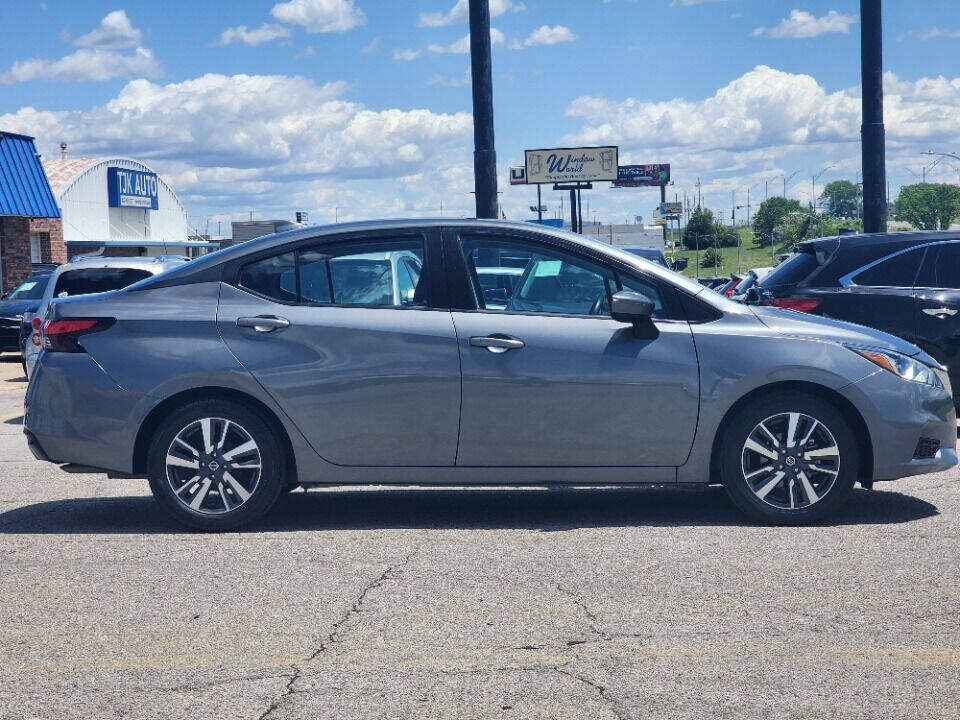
point(752, 296)
point(635, 308)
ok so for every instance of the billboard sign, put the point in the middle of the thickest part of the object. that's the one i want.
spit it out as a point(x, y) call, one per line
point(518, 175)
point(643, 175)
point(671, 209)
point(586, 164)
point(131, 189)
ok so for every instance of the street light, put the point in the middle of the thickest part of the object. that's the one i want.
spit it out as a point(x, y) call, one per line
point(786, 179)
point(813, 198)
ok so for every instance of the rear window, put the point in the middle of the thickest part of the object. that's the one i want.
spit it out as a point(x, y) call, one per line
point(795, 269)
point(84, 281)
point(32, 289)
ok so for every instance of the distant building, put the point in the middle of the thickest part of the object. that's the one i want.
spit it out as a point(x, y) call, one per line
point(250, 229)
point(30, 229)
point(119, 206)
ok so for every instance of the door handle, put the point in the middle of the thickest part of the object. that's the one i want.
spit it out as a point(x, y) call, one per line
point(263, 323)
point(497, 343)
point(940, 312)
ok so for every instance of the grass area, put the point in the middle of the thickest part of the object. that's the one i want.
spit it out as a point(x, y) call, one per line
point(734, 260)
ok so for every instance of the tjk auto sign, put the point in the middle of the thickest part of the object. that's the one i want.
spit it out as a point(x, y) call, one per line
point(131, 188)
point(571, 164)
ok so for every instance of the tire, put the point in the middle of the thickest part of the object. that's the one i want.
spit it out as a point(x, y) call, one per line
point(236, 490)
point(776, 483)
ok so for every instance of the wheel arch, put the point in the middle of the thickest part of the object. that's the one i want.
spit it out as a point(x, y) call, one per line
point(842, 404)
point(168, 405)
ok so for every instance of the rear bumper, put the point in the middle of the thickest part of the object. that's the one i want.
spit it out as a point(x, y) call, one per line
point(75, 413)
point(898, 414)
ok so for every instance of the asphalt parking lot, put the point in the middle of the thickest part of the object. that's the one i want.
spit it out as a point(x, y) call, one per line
point(485, 603)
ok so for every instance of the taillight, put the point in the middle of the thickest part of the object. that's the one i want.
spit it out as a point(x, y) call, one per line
point(804, 305)
point(36, 325)
point(64, 335)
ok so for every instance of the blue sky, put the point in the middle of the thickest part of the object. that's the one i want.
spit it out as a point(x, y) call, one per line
point(363, 105)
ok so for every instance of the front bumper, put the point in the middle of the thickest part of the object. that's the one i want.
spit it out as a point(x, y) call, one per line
point(898, 415)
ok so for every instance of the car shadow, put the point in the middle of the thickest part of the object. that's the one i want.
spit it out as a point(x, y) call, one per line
point(547, 510)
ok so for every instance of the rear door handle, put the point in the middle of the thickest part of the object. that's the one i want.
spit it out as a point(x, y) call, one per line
point(497, 343)
point(940, 312)
point(263, 323)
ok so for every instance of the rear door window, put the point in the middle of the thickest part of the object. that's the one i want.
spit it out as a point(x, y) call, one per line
point(84, 281)
point(897, 271)
point(941, 268)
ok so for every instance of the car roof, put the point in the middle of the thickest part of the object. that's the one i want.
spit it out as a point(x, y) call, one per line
point(858, 240)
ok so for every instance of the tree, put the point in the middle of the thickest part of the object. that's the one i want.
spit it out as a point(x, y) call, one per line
point(929, 206)
point(841, 198)
point(772, 211)
point(711, 259)
point(699, 230)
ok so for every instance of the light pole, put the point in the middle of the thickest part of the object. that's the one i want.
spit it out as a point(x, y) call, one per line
point(786, 179)
point(813, 185)
point(943, 155)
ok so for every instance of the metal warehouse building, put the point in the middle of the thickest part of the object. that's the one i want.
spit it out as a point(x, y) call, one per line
point(119, 206)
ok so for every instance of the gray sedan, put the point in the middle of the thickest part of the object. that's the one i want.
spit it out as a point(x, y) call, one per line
point(294, 360)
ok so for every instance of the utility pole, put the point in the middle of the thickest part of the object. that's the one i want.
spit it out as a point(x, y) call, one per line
point(873, 140)
point(484, 152)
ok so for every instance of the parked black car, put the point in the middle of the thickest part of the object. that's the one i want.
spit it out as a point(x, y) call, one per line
point(905, 283)
point(23, 299)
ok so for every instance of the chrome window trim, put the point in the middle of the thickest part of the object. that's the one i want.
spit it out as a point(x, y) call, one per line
point(847, 280)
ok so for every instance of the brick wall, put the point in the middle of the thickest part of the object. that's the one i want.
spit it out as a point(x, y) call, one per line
point(14, 250)
point(52, 250)
point(15, 246)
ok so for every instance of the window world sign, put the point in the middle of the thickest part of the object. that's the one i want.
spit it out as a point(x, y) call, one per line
point(131, 188)
point(571, 164)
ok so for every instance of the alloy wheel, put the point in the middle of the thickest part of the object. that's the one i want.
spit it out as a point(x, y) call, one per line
point(790, 460)
point(213, 466)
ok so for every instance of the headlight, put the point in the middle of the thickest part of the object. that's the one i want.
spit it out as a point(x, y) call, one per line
point(905, 367)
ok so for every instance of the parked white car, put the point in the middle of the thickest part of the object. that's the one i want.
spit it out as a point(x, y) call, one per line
point(84, 276)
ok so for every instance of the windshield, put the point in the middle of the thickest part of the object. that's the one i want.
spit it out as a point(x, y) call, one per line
point(84, 281)
point(32, 289)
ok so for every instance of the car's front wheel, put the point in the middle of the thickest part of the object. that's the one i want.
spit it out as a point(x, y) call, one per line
point(215, 465)
point(789, 459)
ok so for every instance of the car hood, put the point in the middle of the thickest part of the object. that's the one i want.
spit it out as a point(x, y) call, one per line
point(798, 324)
point(12, 308)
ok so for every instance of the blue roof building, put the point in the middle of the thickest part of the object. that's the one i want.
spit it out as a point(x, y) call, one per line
point(30, 228)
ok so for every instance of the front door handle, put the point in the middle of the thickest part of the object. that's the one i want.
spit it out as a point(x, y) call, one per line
point(263, 323)
point(940, 312)
point(497, 343)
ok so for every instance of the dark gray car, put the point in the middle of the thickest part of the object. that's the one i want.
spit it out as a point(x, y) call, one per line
point(293, 359)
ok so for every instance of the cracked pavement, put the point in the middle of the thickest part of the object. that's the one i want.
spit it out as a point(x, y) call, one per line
point(481, 603)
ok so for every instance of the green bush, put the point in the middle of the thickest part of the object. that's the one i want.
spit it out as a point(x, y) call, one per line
point(711, 258)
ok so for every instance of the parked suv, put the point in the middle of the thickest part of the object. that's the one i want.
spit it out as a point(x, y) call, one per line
point(84, 276)
point(23, 299)
point(907, 284)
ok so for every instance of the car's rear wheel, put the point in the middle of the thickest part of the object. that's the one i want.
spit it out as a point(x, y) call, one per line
point(789, 459)
point(215, 465)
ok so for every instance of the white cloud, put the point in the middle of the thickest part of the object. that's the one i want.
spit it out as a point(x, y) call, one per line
point(320, 16)
point(256, 36)
point(84, 65)
point(460, 13)
point(935, 32)
point(111, 50)
point(406, 54)
point(451, 80)
point(462, 46)
point(547, 35)
point(802, 24)
point(114, 33)
point(232, 142)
